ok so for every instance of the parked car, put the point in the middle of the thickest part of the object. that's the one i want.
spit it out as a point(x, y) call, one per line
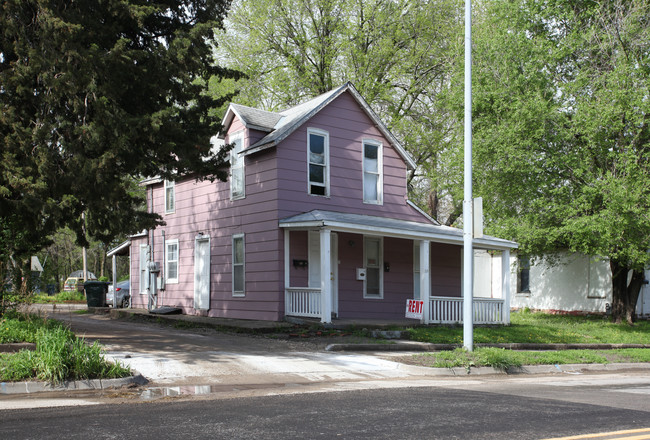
point(75, 281)
point(122, 292)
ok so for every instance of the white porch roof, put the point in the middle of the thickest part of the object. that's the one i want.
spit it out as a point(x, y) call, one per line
point(389, 227)
point(121, 249)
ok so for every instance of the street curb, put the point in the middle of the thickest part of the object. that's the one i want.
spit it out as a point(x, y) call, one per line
point(424, 346)
point(17, 346)
point(393, 346)
point(75, 385)
point(539, 369)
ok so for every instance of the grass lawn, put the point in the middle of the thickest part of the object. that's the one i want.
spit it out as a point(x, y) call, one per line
point(502, 359)
point(542, 328)
point(539, 328)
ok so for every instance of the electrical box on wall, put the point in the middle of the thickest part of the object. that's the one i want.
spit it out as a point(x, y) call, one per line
point(361, 274)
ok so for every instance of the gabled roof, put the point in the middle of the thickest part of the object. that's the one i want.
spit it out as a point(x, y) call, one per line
point(280, 125)
point(36, 264)
point(252, 117)
point(389, 227)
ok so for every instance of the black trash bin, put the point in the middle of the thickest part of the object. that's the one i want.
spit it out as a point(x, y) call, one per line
point(96, 293)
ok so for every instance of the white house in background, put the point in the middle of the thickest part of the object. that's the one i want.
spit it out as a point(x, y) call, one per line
point(569, 283)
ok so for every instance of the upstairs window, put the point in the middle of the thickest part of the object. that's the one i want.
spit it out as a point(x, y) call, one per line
point(237, 183)
point(372, 172)
point(170, 196)
point(318, 162)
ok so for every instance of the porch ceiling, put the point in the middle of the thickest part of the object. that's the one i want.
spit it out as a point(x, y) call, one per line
point(388, 227)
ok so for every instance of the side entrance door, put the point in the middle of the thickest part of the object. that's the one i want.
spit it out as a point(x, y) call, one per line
point(202, 273)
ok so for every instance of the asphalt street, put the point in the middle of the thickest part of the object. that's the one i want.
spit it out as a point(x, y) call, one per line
point(454, 411)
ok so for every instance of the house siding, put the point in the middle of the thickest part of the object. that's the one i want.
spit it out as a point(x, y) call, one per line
point(446, 270)
point(347, 126)
point(206, 207)
point(573, 283)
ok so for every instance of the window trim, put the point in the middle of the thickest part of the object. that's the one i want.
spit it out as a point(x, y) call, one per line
point(379, 173)
point(380, 266)
point(326, 165)
point(170, 185)
point(237, 136)
point(237, 293)
point(168, 243)
point(523, 264)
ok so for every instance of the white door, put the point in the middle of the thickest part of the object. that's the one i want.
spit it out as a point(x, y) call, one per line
point(145, 251)
point(314, 266)
point(202, 273)
point(643, 303)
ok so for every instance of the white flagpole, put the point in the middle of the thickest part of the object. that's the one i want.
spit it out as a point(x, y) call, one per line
point(468, 250)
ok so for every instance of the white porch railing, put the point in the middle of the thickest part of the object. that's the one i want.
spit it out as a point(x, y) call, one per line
point(302, 301)
point(445, 310)
point(305, 301)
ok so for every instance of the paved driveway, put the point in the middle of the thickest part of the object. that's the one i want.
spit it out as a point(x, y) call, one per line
point(201, 356)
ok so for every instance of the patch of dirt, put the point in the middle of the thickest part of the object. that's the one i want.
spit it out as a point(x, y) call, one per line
point(414, 359)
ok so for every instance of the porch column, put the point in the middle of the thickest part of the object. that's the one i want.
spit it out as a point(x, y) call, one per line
point(505, 284)
point(325, 276)
point(287, 268)
point(425, 279)
point(114, 280)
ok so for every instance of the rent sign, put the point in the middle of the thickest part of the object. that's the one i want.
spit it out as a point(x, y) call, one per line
point(414, 308)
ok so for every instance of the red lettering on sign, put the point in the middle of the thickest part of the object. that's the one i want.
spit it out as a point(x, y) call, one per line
point(414, 308)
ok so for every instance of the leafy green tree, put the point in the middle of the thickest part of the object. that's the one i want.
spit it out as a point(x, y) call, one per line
point(93, 94)
point(561, 136)
point(399, 55)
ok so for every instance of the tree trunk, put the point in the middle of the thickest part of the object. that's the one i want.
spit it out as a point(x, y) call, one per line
point(433, 204)
point(624, 295)
point(633, 290)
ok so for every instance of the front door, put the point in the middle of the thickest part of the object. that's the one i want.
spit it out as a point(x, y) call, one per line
point(202, 273)
point(314, 266)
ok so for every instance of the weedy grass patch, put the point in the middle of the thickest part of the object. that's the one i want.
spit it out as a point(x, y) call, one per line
point(59, 354)
point(502, 359)
point(59, 298)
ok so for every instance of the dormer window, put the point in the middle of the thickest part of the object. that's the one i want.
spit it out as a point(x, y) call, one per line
point(318, 162)
point(237, 182)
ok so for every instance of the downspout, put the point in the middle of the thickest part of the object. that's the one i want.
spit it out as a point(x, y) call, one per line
point(151, 243)
point(162, 263)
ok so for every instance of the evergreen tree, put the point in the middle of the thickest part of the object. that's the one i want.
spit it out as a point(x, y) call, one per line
point(92, 95)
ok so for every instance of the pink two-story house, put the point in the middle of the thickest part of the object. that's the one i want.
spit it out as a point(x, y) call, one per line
point(313, 222)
